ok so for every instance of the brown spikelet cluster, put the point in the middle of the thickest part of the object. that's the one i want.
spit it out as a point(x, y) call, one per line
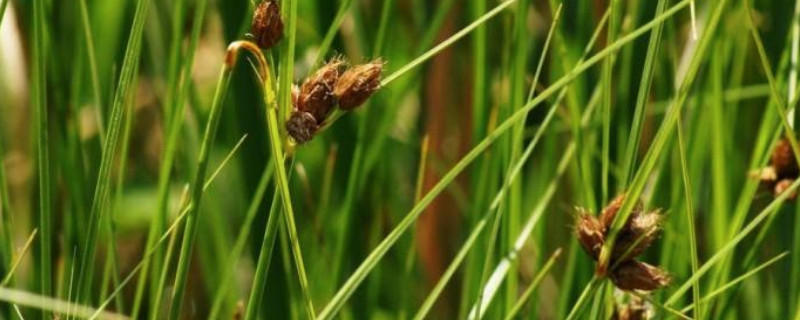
point(357, 84)
point(267, 27)
point(638, 234)
point(329, 86)
point(782, 170)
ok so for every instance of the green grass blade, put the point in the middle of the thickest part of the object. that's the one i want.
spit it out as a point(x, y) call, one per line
point(707, 298)
point(533, 285)
point(41, 132)
point(99, 202)
point(687, 185)
point(772, 208)
point(56, 306)
point(197, 188)
point(241, 241)
point(264, 259)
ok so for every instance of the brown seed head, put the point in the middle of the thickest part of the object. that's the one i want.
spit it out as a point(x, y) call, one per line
point(267, 24)
point(358, 83)
point(589, 232)
point(640, 232)
point(610, 211)
point(783, 160)
point(635, 275)
point(301, 126)
point(316, 94)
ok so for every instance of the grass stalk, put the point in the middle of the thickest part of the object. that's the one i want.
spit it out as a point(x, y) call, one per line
point(526, 295)
point(241, 240)
point(197, 190)
point(101, 195)
point(687, 185)
point(39, 99)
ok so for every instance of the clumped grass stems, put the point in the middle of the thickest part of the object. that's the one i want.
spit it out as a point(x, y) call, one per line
point(241, 241)
point(197, 189)
point(374, 257)
point(39, 98)
point(99, 203)
point(661, 138)
point(707, 298)
point(526, 295)
point(176, 97)
point(168, 233)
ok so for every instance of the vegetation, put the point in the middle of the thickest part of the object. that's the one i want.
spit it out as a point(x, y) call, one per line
point(398, 159)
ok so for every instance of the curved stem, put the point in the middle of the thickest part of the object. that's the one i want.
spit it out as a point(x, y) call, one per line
point(281, 178)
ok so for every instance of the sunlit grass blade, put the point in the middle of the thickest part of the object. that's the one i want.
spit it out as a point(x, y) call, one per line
point(20, 255)
point(24, 298)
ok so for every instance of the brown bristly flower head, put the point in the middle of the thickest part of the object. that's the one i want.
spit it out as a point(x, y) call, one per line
point(316, 93)
point(782, 171)
point(639, 233)
point(358, 83)
point(267, 27)
point(610, 211)
point(783, 160)
point(301, 126)
point(636, 275)
point(589, 232)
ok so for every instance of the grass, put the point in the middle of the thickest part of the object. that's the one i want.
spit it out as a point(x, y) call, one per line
point(450, 193)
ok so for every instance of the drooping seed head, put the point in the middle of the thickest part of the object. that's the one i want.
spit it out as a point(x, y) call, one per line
point(358, 83)
point(301, 126)
point(636, 275)
point(589, 232)
point(783, 160)
point(316, 94)
point(267, 26)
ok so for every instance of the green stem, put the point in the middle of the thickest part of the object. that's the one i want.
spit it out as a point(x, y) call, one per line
point(264, 259)
point(199, 181)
